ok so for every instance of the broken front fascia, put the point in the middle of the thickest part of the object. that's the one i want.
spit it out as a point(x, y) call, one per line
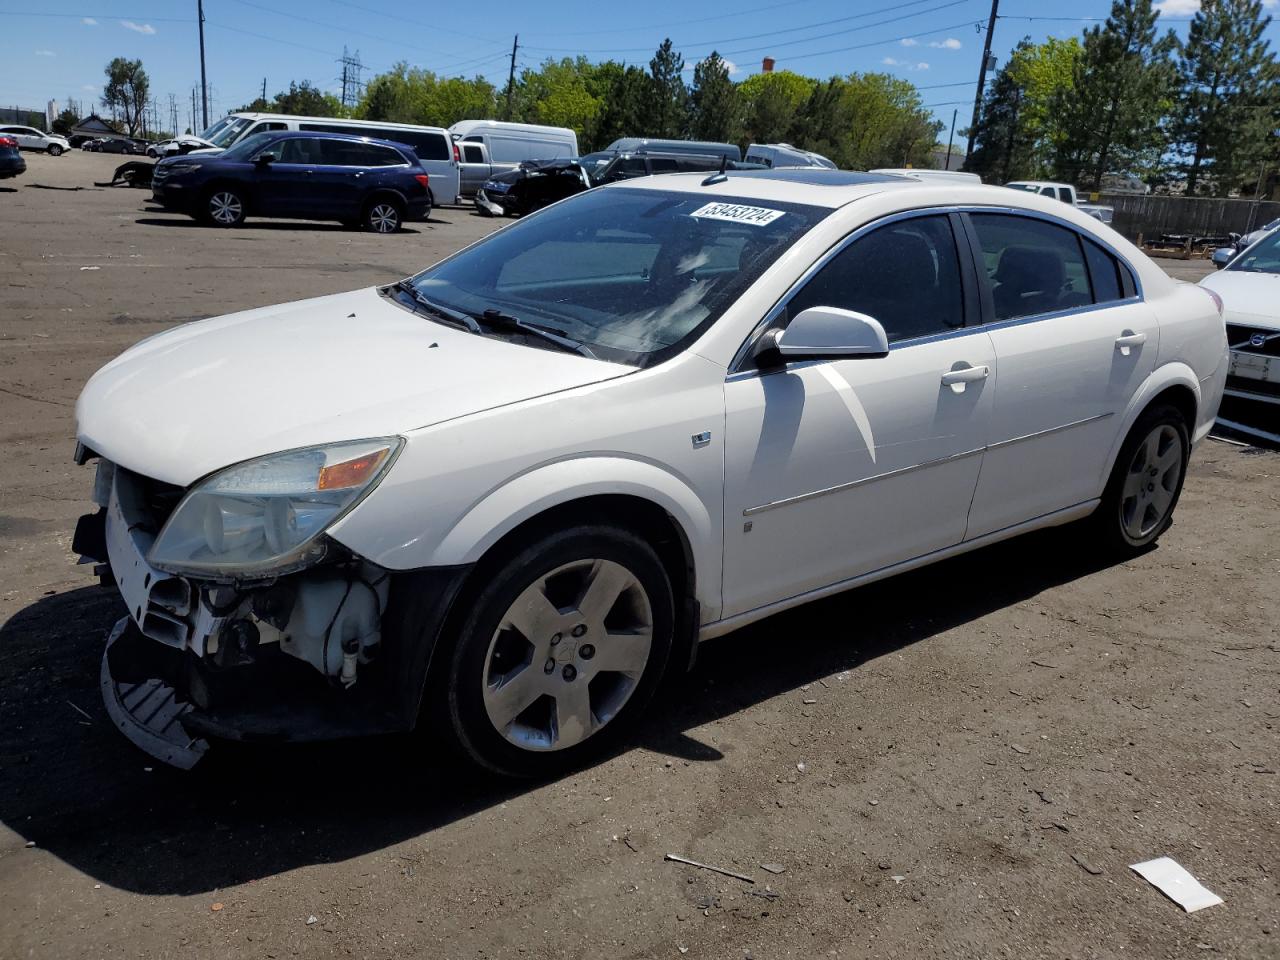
point(280, 658)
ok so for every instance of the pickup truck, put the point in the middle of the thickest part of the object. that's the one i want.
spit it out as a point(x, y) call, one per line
point(475, 167)
point(1067, 194)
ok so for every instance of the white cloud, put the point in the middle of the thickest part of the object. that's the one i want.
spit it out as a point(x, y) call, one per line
point(89, 88)
point(45, 53)
point(951, 43)
point(910, 42)
point(1177, 8)
point(894, 62)
point(89, 21)
point(143, 28)
point(732, 67)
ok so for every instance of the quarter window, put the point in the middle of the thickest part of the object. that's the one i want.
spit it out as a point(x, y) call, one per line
point(904, 274)
point(1033, 266)
point(472, 154)
point(1104, 272)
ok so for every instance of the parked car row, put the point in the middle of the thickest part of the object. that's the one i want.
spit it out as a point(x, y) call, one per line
point(112, 145)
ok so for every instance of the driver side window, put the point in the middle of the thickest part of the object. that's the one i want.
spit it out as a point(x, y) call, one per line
point(905, 274)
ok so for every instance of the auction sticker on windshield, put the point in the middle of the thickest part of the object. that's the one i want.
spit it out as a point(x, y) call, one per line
point(737, 213)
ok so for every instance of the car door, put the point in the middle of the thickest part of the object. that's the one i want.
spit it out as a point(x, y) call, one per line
point(841, 467)
point(338, 180)
point(26, 137)
point(1073, 340)
point(287, 186)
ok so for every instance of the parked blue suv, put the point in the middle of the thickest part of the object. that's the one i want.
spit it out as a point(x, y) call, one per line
point(375, 184)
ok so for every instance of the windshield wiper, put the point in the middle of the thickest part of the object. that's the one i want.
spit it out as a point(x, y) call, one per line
point(497, 320)
point(440, 310)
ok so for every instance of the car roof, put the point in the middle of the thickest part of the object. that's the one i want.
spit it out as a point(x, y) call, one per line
point(835, 188)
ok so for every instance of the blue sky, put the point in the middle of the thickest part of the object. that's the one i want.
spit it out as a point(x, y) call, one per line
point(60, 51)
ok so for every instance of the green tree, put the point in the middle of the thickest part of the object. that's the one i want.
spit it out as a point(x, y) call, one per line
point(306, 100)
point(713, 103)
point(625, 95)
point(64, 121)
point(770, 102)
point(1223, 123)
point(1121, 91)
point(668, 112)
point(888, 123)
point(1002, 150)
point(126, 91)
point(405, 95)
point(559, 94)
point(1045, 75)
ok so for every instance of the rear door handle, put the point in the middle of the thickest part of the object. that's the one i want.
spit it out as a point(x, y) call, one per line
point(1128, 340)
point(956, 379)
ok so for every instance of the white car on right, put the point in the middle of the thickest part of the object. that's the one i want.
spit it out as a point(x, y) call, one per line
point(1249, 286)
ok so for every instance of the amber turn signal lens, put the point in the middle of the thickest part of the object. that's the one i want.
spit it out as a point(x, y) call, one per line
point(351, 473)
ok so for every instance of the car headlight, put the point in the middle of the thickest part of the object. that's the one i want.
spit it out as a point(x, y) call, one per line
point(180, 168)
point(264, 517)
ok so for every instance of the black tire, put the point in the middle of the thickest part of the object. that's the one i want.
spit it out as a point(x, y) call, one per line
point(471, 651)
point(55, 150)
point(382, 215)
point(1128, 522)
point(223, 206)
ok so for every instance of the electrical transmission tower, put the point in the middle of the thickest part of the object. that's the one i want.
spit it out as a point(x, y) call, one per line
point(352, 85)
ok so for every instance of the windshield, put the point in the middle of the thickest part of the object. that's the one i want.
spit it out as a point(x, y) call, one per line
point(224, 137)
point(595, 163)
point(634, 274)
point(1262, 257)
point(246, 148)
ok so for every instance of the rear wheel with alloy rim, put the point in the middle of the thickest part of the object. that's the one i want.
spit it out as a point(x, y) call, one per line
point(562, 648)
point(1146, 481)
point(225, 208)
point(382, 216)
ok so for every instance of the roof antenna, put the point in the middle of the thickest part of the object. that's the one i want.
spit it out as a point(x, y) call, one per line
point(720, 176)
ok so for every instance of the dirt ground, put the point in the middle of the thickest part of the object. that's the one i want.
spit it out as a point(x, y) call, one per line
point(961, 762)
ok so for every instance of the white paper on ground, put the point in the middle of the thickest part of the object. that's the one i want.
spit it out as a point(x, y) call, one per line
point(1167, 876)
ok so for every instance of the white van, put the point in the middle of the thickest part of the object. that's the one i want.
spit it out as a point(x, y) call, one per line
point(432, 144)
point(785, 155)
point(514, 143)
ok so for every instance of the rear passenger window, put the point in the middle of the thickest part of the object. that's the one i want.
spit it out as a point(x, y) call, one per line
point(1033, 266)
point(472, 154)
point(1104, 271)
point(663, 164)
point(904, 274)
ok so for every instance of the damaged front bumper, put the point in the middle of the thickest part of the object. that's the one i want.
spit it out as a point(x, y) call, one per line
point(319, 654)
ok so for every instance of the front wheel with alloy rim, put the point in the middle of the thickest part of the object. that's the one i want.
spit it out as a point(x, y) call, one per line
point(1137, 506)
point(561, 648)
point(224, 207)
point(382, 216)
point(55, 150)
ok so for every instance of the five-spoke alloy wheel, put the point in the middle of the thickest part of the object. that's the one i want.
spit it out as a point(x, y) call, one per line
point(561, 645)
point(1137, 506)
point(225, 208)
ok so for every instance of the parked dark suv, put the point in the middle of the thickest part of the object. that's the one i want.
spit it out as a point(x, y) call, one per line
point(375, 184)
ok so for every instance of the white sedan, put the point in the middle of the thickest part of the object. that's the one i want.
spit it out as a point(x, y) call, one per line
point(1249, 286)
point(504, 497)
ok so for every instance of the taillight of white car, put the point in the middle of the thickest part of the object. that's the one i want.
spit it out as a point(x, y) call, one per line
point(1217, 300)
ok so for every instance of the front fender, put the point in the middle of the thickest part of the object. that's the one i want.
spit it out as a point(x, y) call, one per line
point(551, 485)
point(1175, 374)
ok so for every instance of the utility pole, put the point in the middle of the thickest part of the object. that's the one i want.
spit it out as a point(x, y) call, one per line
point(951, 139)
point(204, 83)
point(264, 91)
point(982, 81)
point(193, 111)
point(351, 83)
point(511, 77)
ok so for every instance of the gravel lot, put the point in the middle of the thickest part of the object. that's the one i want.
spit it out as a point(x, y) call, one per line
point(962, 762)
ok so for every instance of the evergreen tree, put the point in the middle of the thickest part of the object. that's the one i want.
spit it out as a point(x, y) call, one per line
point(1227, 97)
point(668, 112)
point(1121, 91)
point(713, 103)
point(1002, 149)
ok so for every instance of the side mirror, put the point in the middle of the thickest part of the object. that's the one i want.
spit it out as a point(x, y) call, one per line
point(1222, 256)
point(265, 159)
point(825, 333)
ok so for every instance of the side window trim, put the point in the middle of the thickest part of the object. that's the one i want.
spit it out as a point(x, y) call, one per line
point(1132, 286)
point(1132, 293)
point(773, 313)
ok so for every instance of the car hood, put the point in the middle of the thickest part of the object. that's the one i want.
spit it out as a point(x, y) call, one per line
point(1248, 298)
point(214, 392)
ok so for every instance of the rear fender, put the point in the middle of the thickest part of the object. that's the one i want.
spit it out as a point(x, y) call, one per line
point(1162, 378)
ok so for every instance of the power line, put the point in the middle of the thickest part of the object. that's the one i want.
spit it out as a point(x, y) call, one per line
point(808, 26)
point(859, 46)
point(403, 19)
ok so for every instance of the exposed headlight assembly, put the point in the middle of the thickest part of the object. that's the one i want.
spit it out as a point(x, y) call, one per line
point(264, 517)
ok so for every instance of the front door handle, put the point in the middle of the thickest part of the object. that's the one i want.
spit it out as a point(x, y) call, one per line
point(958, 377)
point(1128, 340)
